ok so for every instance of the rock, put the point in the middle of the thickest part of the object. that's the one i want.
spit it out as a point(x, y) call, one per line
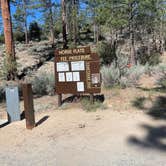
point(81, 125)
point(98, 117)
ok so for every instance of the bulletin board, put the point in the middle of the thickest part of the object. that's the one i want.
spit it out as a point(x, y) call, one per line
point(77, 71)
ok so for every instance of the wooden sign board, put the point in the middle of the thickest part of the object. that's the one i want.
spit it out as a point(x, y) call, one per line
point(77, 71)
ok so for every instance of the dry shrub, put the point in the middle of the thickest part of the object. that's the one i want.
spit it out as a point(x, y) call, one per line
point(119, 74)
point(44, 84)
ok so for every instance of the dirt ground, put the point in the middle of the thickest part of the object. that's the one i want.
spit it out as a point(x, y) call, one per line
point(131, 131)
point(127, 133)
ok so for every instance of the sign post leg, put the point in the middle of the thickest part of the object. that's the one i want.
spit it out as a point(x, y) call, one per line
point(91, 98)
point(28, 106)
point(59, 100)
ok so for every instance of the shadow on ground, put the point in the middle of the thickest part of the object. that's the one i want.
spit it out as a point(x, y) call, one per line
point(42, 120)
point(155, 137)
point(157, 110)
point(156, 89)
point(4, 124)
point(76, 98)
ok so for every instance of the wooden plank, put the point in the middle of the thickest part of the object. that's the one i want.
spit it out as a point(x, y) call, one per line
point(59, 100)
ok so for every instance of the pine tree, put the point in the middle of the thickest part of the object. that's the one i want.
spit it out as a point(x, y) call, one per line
point(23, 11)
point(72, 20)
point(9, 43)
point(46, 7)
point(64, 23)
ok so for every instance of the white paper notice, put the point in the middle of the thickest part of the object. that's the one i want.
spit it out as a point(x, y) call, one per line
point(61, 77)
point(78, 66)
point(80, 86)
point(69, 76)
point(76, 76)
point(95, 78)
point(62, 66)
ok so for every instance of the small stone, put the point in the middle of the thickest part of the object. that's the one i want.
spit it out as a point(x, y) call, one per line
point(98, 118)
point(81, 125)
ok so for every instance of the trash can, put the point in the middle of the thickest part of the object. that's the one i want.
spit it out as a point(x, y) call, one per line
point(12, 103)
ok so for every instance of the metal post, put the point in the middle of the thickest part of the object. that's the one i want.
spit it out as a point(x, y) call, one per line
point(28, 106)
point(59, 100)
point(12, 102)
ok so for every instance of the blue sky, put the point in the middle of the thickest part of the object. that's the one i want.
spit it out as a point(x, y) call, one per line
point(37, 15)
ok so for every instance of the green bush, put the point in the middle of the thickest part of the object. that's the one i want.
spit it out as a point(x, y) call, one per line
point(19, 36)
point(154, 59)
point(2, 39)
point(8, 68)
point(119, 74)
point(42, 50)
point(34, 31)
point(110, 75)
point(160, 71)
point(143, 57)
point(132, 75)
point(162, 81)
point(107, 53)
point(44, 84)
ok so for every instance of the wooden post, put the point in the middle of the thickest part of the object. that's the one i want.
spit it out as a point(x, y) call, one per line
point(59, 100)
point(28, 106)
point(91, 98)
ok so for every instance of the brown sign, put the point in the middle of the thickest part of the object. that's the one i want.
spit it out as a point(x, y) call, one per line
point(77, 71)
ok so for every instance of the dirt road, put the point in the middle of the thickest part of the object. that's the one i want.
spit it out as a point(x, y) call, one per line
point(77, 138)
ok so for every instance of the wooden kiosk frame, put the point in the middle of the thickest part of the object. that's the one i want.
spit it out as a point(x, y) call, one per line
point(77, 71)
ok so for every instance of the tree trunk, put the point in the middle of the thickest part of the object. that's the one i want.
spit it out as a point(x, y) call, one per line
point(9, 43)
point(154, 43)
point(132, 49)
point(7, 28)
point(25, 23)
point(132, 37)
point(69, 21)
point(161, 47)
point(75, 22)
point(94, 32)
point(51, 23)
point(52, 28)
point(63, 3)
point(26, 34)
point(149, 47)
point(97, 34)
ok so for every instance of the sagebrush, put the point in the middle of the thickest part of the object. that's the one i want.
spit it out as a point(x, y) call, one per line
point(44, 84)
point(8, 67)
point(120, 74)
